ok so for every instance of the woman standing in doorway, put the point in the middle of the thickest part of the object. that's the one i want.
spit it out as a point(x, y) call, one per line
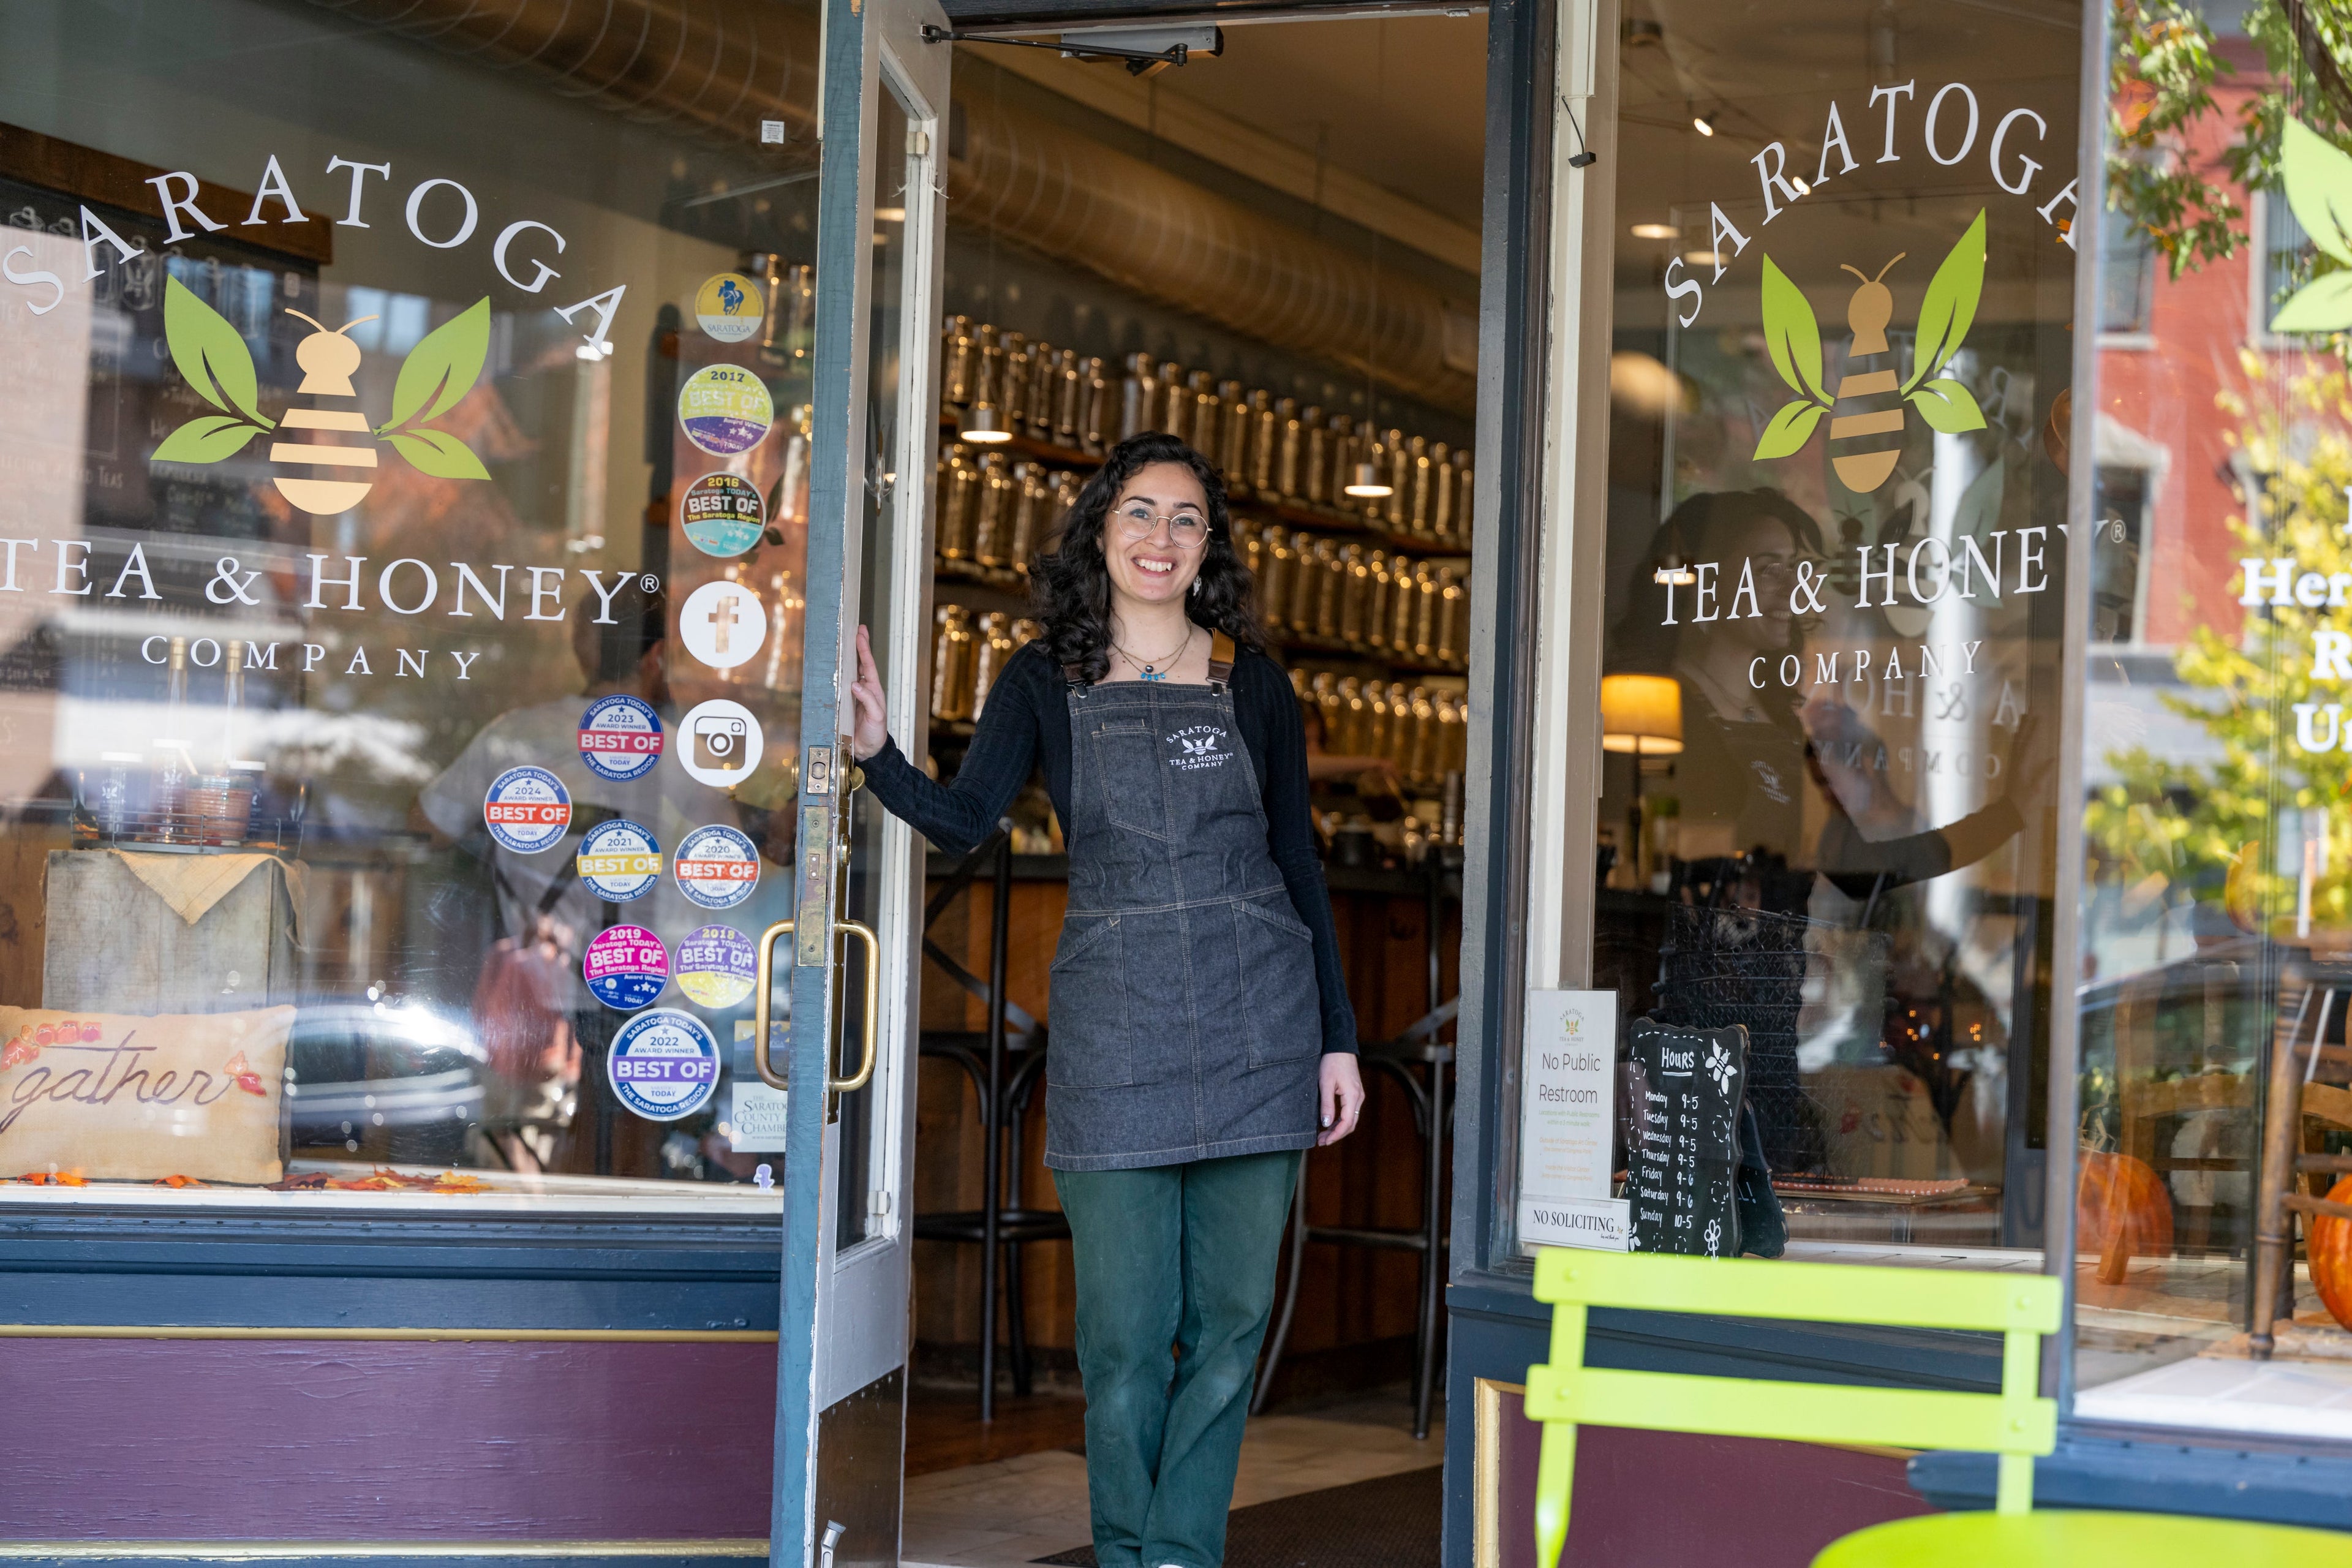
point(1201, 1032)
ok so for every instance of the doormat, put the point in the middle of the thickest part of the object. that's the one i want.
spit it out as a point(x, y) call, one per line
point(1391, 1521)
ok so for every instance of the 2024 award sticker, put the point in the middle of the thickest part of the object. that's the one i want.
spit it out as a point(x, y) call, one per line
point(716, 966)
point(717, 867)
point(526, 810)
point(662, 1064)
point(619, 861)
point(729, 307)
point(620, 738)
point(625, 967)
point(723, 514)
point(725, 409)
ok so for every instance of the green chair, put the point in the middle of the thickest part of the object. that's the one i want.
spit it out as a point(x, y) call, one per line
point(2015, 1423)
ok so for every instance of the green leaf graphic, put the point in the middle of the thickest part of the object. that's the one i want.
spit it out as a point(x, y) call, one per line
point(207, 438)
point(2323, 306)
point(2318, 187)
point(1789, 429)
point(211, 357)
point(1950, 307)
point(1793, 335)
point(438, 453)
point(442, 368)
point(1948, 406)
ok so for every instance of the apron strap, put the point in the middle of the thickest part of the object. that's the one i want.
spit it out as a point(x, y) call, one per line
point(1221, 661)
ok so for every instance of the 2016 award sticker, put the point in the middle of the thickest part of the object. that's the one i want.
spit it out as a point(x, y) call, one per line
point(625, 967)
point(723, 624)
point(620, 737)
point(717, 867)
point(619, 861)
point(716, 966)
point(726, 409)
point(729, 307)
point(662, 1064)
point(723, 514)
point(526, 810)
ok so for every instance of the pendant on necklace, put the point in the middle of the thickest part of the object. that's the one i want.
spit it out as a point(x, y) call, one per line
point(1151, 674)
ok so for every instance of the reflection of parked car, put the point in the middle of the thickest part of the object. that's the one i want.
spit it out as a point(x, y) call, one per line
point(388, 1080)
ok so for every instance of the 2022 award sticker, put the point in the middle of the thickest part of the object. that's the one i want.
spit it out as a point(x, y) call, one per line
point(620, 738)
point(619, 861)
point(526, 810)
point(716, 966)
point(723, 624)
point(723, 514)
point(662, 1064)
point(725, 409)
point(717, 867)
point(718, 742)
point(729, 307)
point(625, 967)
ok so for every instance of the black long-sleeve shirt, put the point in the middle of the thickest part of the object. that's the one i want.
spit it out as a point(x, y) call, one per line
point(1027, 722)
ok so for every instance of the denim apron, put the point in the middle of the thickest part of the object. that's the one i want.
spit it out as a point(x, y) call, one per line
point(1185, 1023)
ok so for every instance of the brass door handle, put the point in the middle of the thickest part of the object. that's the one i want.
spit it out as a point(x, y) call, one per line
point(767, 974)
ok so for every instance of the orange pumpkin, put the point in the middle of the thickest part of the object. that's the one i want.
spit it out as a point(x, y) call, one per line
point(2329, 1244)
point(2122, 1211)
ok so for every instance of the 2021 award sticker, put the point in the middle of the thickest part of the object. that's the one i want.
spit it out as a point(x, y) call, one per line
point(729, 307)
point(725, 409)
point(723, 514)
point(619, 861)
point(716, 966)
point(526, 810)
point(662, 1064)
point(718, 742)
point(717, 867)
point(625, 967)
point(620, 737)
point(724, 624)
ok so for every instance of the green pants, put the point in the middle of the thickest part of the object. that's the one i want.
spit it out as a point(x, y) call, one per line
point(1175, 1277)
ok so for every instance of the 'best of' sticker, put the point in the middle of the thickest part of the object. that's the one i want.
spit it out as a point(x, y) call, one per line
point(716, 967)
point(620, 737)
point(625, 967)
point(662, 1064)
point(526, 810)
point(723, 514)
point(725, 409)
point(619, 861)
point(718, 867)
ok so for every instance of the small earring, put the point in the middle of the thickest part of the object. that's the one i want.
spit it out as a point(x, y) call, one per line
point(1196, 587)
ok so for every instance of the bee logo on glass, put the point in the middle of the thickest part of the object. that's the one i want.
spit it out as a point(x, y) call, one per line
point(325, 454)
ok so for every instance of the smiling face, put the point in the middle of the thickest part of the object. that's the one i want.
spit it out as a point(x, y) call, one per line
point(1158, 567)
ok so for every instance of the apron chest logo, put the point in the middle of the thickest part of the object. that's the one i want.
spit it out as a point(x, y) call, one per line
point(1200, 746)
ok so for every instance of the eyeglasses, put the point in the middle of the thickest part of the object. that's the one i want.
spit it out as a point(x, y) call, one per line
point(1186, 530)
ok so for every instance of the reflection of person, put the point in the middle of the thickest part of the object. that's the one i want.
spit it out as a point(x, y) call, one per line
point(1198, 1017)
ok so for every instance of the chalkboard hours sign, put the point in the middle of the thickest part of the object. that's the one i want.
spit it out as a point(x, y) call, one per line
point(1682, 1094)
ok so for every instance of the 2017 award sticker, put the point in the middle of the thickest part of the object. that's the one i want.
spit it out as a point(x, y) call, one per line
point(728, 306)
point(625, 967)
point(717, 867)
point(619, 861)
point(620, 737)
point(716, 966)
point(725, 409)
point(662, 1064)
point(723, 514)
point(526, 810)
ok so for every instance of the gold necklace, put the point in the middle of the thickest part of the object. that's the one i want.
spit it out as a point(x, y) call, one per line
point(1152, 671)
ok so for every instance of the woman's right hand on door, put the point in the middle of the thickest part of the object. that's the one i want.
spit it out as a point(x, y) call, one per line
point(872, 732)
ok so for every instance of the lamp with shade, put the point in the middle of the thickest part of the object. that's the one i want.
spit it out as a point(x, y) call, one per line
point(1642, 715)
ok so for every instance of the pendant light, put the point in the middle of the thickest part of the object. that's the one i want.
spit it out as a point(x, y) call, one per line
point(1371, 483)
point(980, 424)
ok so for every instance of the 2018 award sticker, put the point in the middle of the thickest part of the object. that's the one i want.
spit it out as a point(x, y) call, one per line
point(619, 861)
point(526, 810)
point(726, 409)
point(723, 514)
point(620, 737)
point(662, 1064)
point(626, 967)
point(716, 966)
point(717, 867)
point(729, 307)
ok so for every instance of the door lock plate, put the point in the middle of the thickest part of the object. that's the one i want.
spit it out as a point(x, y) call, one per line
point(813, 926)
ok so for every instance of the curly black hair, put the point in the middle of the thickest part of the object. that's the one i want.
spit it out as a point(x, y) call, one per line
point(1070, 581)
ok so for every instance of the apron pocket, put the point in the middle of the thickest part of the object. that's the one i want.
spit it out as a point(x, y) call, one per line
point(1282, 1002)
point(1086, 1011)
point(1126, 754)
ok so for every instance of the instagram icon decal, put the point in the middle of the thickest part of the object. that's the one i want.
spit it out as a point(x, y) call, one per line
point(718, 742)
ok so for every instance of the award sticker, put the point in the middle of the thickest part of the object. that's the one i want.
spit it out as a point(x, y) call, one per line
point(723, 624)
point(717, 867)
point(723, 514)
point(729, 307)
point(620, 738)
point(626, 967)
point(716, 966)
point(619, 861)
point(662, 1064)
point(726, 409)
point(526, 810)
point(718, 742)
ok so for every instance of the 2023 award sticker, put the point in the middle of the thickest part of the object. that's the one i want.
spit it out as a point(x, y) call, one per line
point(619, 861)
point(716, 966)
point(526, 810)
point(620, 738)
point(662, 1064)
point(724, 624)
point(723, 514)
point(717, 867)
point(718, 742)
point(725, 409)
point(625, 967)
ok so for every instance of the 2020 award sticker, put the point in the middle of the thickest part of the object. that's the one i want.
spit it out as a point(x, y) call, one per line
point(716, 966)
point(729, 307)
point(725, 409)
point(716, 867)
point(619, 861)
point(620, 737)
point(662, 1064)
point(526, 810)
point(625, 967)
point(723, 514)
point(718, 742)
point(724, 624)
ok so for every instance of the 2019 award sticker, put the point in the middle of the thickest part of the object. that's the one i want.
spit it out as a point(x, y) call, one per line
point(725, 409)
point(716, 867)
point(723, 514)
point(716, 966)
point(662, 1064)
point(625, 967)
point(729, 307)
point(620, 737)
point(619, 861)
point(526, 810)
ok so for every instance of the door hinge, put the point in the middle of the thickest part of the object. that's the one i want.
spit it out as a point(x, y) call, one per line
point(877, 1203)
point(918, 141)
